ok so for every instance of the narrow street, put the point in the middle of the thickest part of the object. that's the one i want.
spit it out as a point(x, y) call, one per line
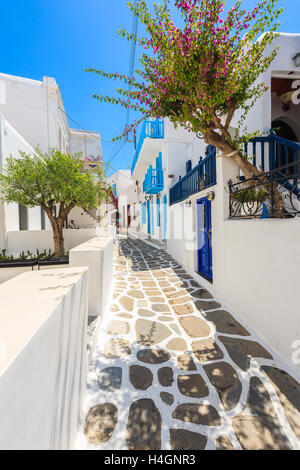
point(172, 369)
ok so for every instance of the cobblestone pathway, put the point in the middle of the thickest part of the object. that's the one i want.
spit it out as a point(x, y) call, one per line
point(173, 370)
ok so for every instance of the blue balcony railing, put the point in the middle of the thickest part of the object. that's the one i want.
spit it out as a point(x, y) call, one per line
point(199, 178)
point(151, 129)
point(154, 181)
point(271, 152)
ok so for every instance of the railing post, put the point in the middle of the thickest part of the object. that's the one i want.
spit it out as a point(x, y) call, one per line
point(230, 194)
point(271, 154)
point(180, 188)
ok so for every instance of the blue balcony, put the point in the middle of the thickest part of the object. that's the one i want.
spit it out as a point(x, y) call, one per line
point(154, 181)
point(199, 178)
point(152, 130)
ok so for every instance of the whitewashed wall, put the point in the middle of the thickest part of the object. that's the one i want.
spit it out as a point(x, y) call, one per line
point(88, 143)
point(260, 116)
point(43, 239)
point(33, 115)
point(256, 266)
point(31, 106)
point(97, 255)
point(8, 273)
point(122, 179)
point(43, 360)
point(11, 142)
point(82, 219)
point(129, 196)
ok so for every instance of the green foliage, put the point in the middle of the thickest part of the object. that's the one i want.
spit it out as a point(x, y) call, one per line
point(54, 181)
point(5, 257)
point(49, 179)
point(28, 255)
point(250, 195)
point(198, 75)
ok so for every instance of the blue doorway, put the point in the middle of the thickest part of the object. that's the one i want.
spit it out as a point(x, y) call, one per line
point(204, 238)
point(148, 217)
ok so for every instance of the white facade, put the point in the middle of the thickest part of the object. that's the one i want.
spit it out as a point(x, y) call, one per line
point(127, 212)
point(87, 143)
point(32, 115)
point(175, 148)
point(255, 263)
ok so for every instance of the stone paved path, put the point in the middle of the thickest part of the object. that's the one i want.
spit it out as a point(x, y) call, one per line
point(172, 369)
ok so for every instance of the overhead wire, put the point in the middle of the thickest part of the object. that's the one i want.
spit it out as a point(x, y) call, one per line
point(131, 72)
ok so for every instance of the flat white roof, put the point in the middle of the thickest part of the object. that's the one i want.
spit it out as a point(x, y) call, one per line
point(81, 132)
point(29, 81)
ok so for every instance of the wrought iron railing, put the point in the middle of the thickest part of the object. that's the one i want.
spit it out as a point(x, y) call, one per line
point(151, 129)
point(273, 194)
point(154, 181)
point(199, 178)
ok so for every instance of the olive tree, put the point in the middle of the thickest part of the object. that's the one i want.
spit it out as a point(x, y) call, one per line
point(54, 181)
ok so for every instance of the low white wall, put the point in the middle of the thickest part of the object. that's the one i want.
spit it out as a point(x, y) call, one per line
point(9, 273)
point(108, 231)
point(43, 239)
point(42, 358)
point(97, 255)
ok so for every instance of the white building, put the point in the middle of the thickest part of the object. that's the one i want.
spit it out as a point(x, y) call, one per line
point(33, 115)
point(124, 208)
point(251, 263)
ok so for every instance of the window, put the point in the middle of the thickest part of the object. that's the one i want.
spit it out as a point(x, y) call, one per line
point(23, 218)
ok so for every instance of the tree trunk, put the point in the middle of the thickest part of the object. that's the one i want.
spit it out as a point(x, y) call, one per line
point(250, 171)
point(57, 226)
point(58, 238)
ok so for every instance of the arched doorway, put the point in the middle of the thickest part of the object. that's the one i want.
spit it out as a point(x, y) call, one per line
point(284, 130)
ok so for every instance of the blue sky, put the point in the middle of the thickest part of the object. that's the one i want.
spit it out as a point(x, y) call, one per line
point(61, 38)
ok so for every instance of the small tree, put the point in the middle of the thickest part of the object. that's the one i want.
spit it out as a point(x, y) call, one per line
point(198, 75)
point(55, 182)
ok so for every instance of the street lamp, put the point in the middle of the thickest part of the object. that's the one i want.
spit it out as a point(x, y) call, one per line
point(210, 196)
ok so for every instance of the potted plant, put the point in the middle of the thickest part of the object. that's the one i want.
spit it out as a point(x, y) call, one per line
point(251, 200)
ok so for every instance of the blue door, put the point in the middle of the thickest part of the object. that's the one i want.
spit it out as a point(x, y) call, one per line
point(148, 217)
point(204, 241)
point(165, 202)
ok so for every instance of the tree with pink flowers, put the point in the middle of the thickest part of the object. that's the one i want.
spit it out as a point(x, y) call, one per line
point(198, 75)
